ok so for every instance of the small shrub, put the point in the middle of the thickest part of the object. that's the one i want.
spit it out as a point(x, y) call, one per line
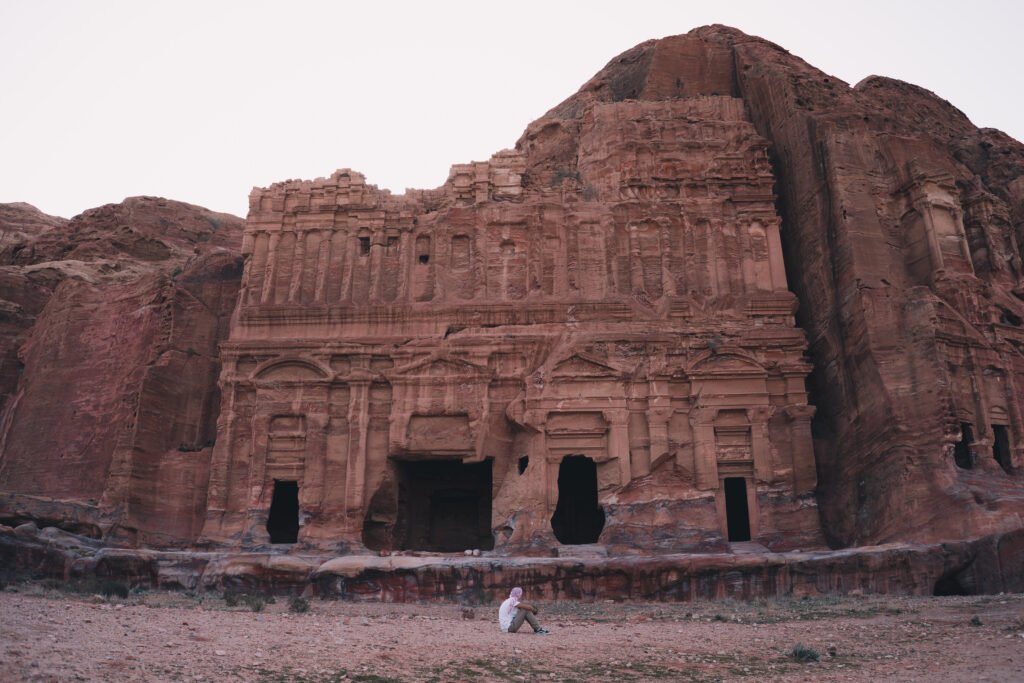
point(231, 597)
point(804, 654)
point(718, 617)
point(298, 604)
point(111, 588)
point(255, 602)
point(975, 620)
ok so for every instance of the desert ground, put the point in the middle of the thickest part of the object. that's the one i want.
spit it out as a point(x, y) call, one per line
point(49, 633)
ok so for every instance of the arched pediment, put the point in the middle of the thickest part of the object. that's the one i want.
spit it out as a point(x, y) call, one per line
point(290, 369)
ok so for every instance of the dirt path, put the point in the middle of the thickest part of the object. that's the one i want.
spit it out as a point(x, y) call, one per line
point(48, 635)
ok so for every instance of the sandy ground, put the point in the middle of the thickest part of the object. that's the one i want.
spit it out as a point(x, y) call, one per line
point(51, 635)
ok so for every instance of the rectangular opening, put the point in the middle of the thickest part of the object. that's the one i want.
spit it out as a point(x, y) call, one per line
point(444, 506)
point(364, 246)
point(962, 451)
point(1001, 447)
point(283, 520)
point(737, 512)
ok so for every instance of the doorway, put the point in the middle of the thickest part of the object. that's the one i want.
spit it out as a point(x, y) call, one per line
point(283, 521)
point(962, 450)
point(1001, 447)
point(578, 519)
point(737, 513)
point(444, 506)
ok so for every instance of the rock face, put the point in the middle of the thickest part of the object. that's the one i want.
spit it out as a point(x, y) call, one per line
point(716, 295)
point(112, 423)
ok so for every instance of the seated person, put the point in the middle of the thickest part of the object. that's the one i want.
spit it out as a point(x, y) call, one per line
point(512, 613)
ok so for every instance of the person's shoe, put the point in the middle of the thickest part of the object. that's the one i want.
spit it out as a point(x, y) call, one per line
point(541, 632)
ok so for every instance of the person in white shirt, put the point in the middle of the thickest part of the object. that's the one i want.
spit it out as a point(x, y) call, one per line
point(513, 612)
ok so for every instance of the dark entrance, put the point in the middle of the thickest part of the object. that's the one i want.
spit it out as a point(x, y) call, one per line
point(737, 515)
point(578, 519)
point(962, 451)
point(283, 522)
point(444, 506)
point(1001, 447)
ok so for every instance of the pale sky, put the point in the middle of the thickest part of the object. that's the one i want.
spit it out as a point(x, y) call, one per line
point(201, 101)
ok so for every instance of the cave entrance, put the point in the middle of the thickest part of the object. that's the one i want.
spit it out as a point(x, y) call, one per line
point(737, 513)
point(578, 519)
point(962, 451)
point(1001, 447)
point(444, 505)
point(283, 521)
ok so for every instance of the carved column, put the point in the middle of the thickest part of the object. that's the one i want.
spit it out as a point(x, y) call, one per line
point(618, 441)
point(270, 274)
point(376, 258)
point(705, 456)
point(258, 462)
point(684, 453)
point(359, 426)
point(311, 493)
point(350, 254)
point(298, 266)
point(255, 266)
point(778, 267)
point(805, 477)
point(323, 265)
point(658, 415)
point(761, 443)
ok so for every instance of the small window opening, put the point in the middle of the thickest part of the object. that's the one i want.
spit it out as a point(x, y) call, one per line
point(1001, 447)
point(283, 521)
point(364, 246)
point(578, 518)
point(962, 455)
point(524, 462)
point(1007, 317)
point(392, 244)
point(737, 514)
point(423, 249)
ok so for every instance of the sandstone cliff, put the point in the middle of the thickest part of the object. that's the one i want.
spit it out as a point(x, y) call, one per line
point(587, 294)
point(903, 226)
point(111, 409)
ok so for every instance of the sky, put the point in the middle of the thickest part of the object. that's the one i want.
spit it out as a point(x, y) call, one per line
point(201, 101)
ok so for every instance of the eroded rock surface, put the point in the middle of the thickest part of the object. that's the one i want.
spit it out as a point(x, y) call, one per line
point(112, 420)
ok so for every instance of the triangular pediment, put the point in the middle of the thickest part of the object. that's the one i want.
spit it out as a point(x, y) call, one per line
point(579, 365)
point(441, 367)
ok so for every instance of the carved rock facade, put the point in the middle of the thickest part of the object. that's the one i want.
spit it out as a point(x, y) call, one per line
point(600, 351)
point(715, 294)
